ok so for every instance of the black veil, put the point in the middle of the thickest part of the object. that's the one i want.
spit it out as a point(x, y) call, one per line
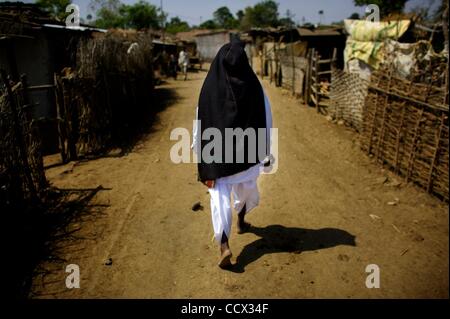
point(231, 97)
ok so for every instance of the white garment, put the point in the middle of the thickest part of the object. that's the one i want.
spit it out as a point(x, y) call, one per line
point(183, 59)
point(245, 192)
point(242, 185)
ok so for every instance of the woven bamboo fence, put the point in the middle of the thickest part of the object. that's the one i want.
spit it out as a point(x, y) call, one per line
point(405, 124)
point(22, 177)
point(347, 97)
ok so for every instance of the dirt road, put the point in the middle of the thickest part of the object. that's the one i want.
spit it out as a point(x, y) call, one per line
point(323, 217)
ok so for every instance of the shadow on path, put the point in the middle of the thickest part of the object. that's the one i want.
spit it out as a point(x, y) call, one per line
point(280, 239)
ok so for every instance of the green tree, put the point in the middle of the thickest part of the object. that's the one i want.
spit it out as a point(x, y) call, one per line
point(224, 18)
point(263, 14)
point(141, 15)
point(176, 25)
point(115, 14)
point(56, 8)
point(354, 16)
point(287, 21)
point(208, 24)
point(386, 6)
point(108, 13)
point(240, 15)
point(338, 23)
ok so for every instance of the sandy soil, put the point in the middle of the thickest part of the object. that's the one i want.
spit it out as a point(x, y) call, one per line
point(323, 217)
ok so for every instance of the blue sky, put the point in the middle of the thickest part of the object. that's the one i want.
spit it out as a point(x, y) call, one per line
point(195, 11)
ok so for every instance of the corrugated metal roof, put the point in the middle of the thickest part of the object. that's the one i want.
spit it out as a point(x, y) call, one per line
point(164, 43)
point(75, 28)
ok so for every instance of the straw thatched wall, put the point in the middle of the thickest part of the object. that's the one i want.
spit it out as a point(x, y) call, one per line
point(105, 95)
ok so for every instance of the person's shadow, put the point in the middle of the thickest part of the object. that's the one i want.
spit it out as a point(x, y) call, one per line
point(277, 238)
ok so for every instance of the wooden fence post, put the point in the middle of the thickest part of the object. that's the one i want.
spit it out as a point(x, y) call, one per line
point(68, 108)
point(307, 77)
point(19, 136)
point(293, 68)
point(435, 155)
point(60, 114)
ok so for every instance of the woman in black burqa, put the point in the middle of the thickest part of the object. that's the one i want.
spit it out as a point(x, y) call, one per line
point(231, 98)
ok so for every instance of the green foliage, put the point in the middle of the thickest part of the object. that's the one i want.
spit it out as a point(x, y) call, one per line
point(354, 16)
point(141, 15)
point(224, 19)
point(176, 25)
point(240, 15)
point(386, 6)
point(209, 24)
point(115, 14)
point(107, 13)
point(263, 14)
point(56, 8)
point(287, 21)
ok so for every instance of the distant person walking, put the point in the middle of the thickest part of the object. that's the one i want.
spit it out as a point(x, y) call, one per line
point(183, 61)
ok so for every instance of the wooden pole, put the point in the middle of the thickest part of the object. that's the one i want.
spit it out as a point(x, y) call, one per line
point(60, 114)
point(19, 137)
point(435, 154)
point(399, 132)
point(270, 68)
point(68, 110)
point(26, 99)
point(316, 77)
point(383, 123)
point(262, 62)
point(293, 68)
point(33, 135)
point(398, 139)
point(412, 154)
point(307, 77)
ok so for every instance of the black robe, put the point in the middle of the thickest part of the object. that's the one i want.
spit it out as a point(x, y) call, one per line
point(231, 97)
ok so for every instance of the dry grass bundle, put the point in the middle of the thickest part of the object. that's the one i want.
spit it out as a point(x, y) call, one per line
point(103, 98)
point(117, 52)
